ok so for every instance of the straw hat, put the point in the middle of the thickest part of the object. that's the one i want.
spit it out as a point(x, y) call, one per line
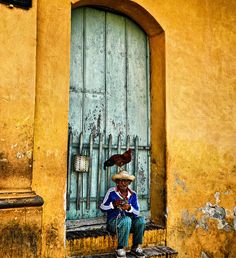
point(123, 175)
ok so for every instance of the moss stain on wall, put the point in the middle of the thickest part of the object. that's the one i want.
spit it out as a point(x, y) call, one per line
point(20, 241)
point(21, 232)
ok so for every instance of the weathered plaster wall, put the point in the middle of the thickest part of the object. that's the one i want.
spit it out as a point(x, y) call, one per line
point(51, 120)
point(201, 125)
point(21, 232)
point(17, 96)
point(200, 118)
point(20, 228)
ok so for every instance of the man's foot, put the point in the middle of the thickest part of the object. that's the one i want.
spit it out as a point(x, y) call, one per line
point(138, 252)
point(121, 253)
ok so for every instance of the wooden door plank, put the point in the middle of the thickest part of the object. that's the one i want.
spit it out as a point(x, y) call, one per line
point(76, 73)
point(94, 93)
point(94, 50)
point(137, 101)
point(115, 77)
point(94, 72)
point(136, 82)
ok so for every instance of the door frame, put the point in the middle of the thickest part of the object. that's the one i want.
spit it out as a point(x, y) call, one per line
point(156, 37)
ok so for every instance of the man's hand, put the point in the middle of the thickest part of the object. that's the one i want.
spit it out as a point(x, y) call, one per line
point(122, 205)
point(125, 207)
point(117, 203)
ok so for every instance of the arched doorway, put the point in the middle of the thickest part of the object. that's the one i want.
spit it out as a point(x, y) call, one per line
point(156, 37)
point(109, 107)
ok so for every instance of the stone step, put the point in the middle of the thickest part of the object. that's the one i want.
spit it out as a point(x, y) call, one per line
point(100, 241)
point(155, 251)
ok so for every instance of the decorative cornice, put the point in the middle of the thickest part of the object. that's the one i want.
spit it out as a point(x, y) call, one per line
point(19, 200)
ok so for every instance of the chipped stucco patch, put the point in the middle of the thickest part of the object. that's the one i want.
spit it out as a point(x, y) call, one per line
point(188, 219)
point(225, 219)
point(216, 212)
point(213, 211)
point(204, 255)
point(234, 218)
point(180, 182)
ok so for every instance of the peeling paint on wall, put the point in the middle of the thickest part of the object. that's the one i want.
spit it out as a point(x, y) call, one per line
point(213, 211)
point(204, 255)
point(181, 183)
point(225, 219)
point(22, 154)
point(216, 212)
point(235, 218)
point(209, 230)
point(188, 219)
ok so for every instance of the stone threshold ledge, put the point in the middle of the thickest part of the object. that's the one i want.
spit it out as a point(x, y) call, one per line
point(20, 199)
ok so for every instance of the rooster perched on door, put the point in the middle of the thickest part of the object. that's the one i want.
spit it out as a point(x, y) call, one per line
point(118, 159)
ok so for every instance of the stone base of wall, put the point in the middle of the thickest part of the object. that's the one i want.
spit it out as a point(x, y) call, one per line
point(21, 232)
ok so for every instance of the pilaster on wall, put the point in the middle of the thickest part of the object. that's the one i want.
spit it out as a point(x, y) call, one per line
point(20, 207)
point(17, 91)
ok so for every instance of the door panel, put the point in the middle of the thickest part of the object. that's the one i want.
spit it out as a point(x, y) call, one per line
point(94, 51)
point(136, 78)
point(109, 107)
point(137, 99)
point(116, 75)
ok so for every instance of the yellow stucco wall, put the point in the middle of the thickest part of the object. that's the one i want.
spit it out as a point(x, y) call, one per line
point(201, 125)
point(200, 117)
point(17, 96)
point(51, 120)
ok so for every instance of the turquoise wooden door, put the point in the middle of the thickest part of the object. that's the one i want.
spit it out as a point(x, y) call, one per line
point(109, 106)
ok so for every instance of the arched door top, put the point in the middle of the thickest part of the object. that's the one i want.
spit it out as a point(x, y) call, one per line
point(133, 10)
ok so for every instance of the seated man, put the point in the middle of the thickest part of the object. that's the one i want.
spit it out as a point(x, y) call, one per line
point(122, 207)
